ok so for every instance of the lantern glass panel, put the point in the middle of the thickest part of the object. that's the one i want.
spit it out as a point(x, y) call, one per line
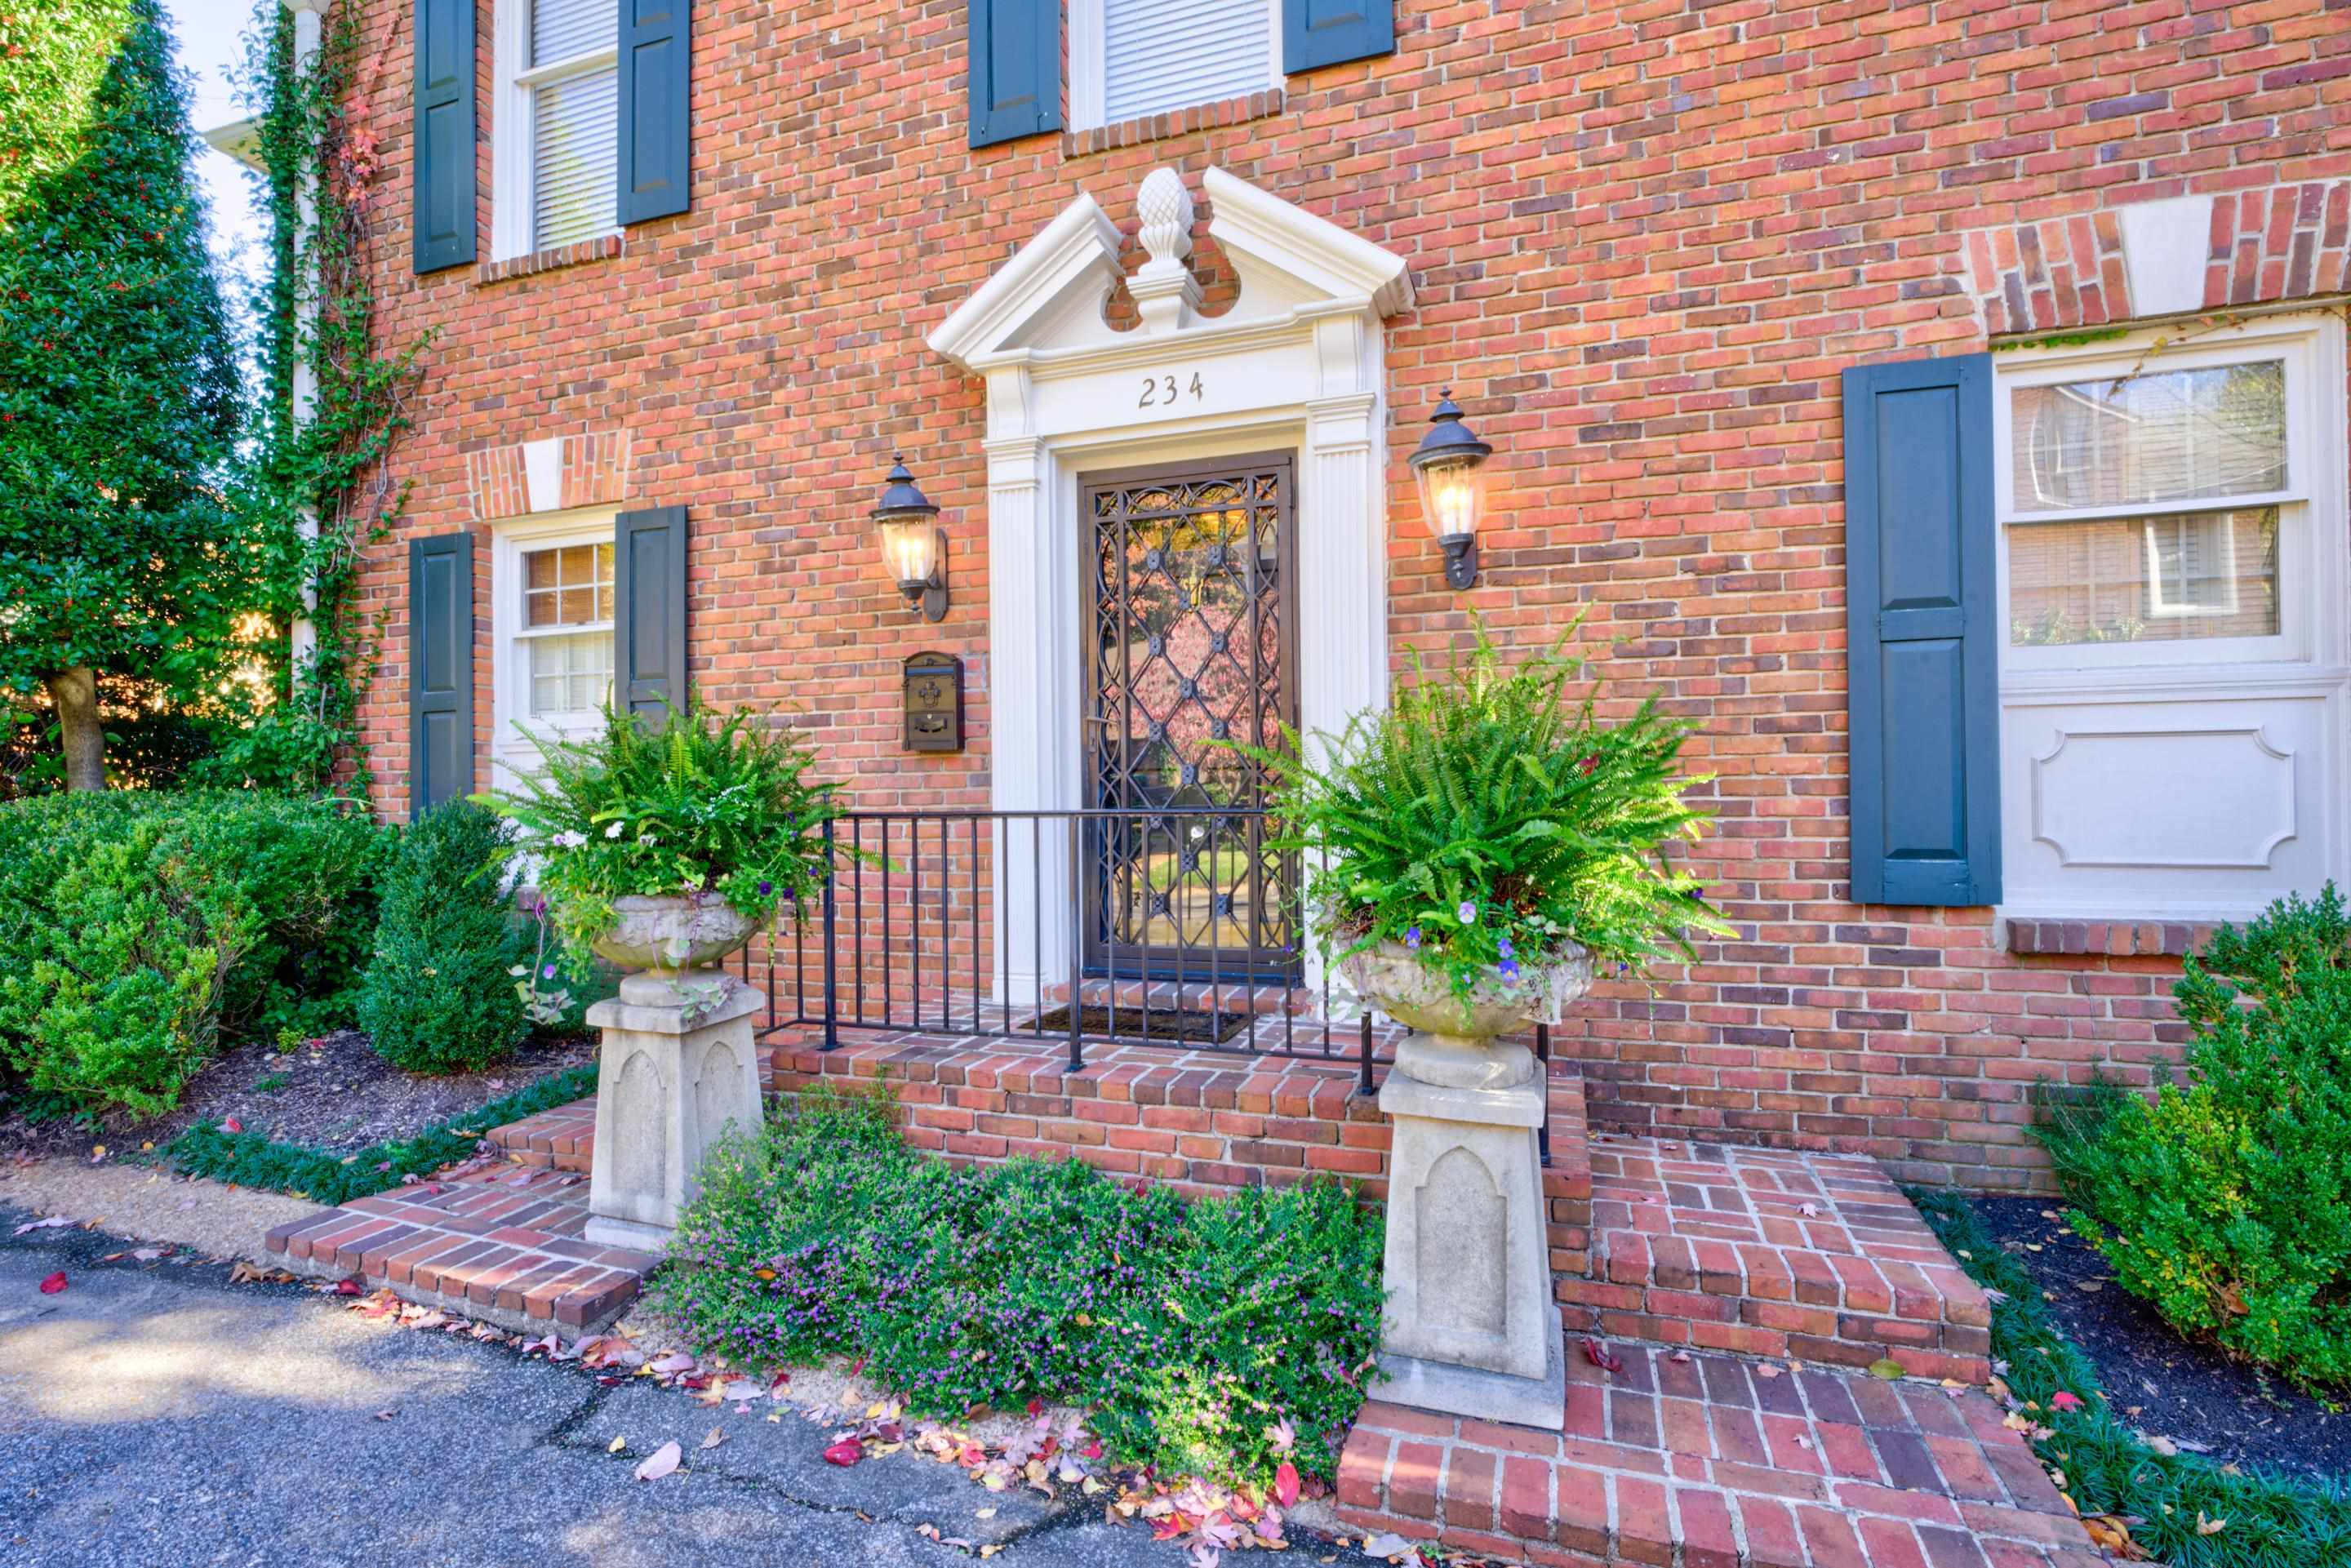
point(1453, 494)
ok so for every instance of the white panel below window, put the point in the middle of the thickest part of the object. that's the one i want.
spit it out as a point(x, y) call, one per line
point(1165, 55)
point(2184, 808)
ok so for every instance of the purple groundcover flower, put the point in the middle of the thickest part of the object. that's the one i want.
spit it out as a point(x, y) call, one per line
point(1510, 969)
point(1466, 913)
point(1507, 950)
point(766, 888)
point(1412, 938)
point(547, 973)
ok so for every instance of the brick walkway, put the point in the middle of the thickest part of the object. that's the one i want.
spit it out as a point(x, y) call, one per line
point(1709, 1463)
point(503, 1245)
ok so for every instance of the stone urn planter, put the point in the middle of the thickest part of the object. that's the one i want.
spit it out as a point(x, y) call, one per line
point(1471, 1327)
point(679, 1066)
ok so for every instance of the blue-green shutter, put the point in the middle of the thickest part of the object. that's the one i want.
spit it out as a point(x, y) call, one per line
point(656, 136)
point(649, 611)
point(445, 133)
point(1016, 69)
point(1331, 32)
point(1922, 632)
point(440, 670)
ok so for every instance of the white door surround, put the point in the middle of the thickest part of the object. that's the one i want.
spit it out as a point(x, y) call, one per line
point(1299, 363)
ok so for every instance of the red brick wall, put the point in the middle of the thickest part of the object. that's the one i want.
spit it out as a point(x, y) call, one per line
point(1645, 239)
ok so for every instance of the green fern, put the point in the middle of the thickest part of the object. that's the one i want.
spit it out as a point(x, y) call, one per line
point(1485, 818)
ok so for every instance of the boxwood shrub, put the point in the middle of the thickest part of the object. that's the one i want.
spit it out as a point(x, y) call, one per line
point(437, 997)
point(2226, 1200)
point(137, 928)
point(1191, 1329)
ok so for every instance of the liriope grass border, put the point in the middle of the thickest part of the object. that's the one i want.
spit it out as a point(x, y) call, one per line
point(322, 1176)
point(2105, 1466)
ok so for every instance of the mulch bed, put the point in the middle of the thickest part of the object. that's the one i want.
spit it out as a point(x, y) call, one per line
point(2196, 1395)
point(333, 1091)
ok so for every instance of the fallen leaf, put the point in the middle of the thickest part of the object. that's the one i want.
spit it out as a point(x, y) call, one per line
point(386, 1415)
point(1386, 1545)
point(661, 1462)
point(718, 1436)
point(845, 1453)
point(54, 1283)
point(985, 1513)
point(2064, 1399)
point(2089, 1287)
point(616, 1445)
point(1600, 1356)
point(1285, 1484)
point(53, 1222)
point(2209, 1526)
point(1767, 1370)
point(1888, 1368)
point(232, 1125)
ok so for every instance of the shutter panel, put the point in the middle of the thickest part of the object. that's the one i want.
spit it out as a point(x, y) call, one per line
point(656, 66)
point(445, 133)
point(1920, 600)
point(649, 611)
point(1016, 69)
point(1164, 54)
point(1329, 32)
point(440, 670)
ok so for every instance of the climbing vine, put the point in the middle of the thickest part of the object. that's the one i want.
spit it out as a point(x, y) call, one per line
point(323, 455)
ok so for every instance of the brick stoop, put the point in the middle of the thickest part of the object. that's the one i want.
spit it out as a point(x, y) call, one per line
point(556, 1140)
point(1708, 1463)
point(505, 1246)
point(1768, 1252)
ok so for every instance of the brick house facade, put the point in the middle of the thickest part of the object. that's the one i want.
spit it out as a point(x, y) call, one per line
point(1642, 244)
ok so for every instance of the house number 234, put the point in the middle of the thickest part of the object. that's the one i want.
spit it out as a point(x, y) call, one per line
point(1161, 392)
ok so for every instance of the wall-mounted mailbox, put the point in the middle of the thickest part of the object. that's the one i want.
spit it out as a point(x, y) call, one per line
point(934, 702)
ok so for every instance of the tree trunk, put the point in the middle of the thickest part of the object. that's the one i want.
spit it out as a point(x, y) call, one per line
point(75, 694)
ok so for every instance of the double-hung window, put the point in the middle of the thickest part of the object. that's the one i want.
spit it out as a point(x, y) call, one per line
point(555, 584)
point(2173, 559)
point(1132, 58)
point(558, 127)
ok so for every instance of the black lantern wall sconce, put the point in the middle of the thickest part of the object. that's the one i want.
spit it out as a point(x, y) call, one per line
point(1449, 468)
point(912, 543)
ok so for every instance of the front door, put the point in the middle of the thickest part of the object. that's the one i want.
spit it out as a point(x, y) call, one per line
point(1191, 643)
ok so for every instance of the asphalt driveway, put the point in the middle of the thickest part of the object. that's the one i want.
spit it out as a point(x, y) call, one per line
point(155, 1416)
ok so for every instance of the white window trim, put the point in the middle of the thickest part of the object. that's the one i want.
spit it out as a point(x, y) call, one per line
point(2305, 664)
point(1089, 39)
point(514, 174)
point(2312, 536)
point(512, 749)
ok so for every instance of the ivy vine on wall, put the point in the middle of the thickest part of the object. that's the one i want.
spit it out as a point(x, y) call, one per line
point(327, 459)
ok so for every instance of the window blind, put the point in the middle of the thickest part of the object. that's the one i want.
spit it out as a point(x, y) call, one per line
point(1162, 55)
point(574, 129)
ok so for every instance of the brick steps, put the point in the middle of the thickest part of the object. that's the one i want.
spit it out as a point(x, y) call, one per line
point(506, 1247)
point(1711, 1462)
point(557, 1140)
point(1766, 1252)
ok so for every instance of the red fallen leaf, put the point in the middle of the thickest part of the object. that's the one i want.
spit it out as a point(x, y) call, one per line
point(347, 1287)
point(1094, 1449)
point(973, 1455)
point(2062, 1400)
point(1285, 1484)
point(846, 1452)
point(54, 1283)
point(232, 1125)
point(1036, 1407)
point(1600, 1356)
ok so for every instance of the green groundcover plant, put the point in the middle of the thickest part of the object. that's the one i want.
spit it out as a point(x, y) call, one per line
point(1193, 1330)
point(1486, 818)
point(700, 805)
point(139, 928)
point(254, 1159)
point(2179, 1507)
point(2226, 1201)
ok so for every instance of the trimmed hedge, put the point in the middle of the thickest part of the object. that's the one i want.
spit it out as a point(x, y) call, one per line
point(254, 1159)
point(137, 928)
point(2226, 1202)
point(2274, 1521)
point(1200, 1336)
point(438, 997)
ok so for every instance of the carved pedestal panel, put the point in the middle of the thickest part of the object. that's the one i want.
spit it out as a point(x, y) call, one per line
point(679, 1067)
point(1470, 1326)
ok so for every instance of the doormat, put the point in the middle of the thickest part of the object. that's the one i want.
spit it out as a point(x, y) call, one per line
point(1171, 1026)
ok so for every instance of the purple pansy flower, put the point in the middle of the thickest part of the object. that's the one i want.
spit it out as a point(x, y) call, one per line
point(1466, 913)
point(1508, 951)
point(766, 888)
point(1412, 938)
point(1510, 969)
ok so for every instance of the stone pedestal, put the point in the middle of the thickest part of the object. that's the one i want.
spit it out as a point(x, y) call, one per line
point(1471, 1327)
point(679, 1067)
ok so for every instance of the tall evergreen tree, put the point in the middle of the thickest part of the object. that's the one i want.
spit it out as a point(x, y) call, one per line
point(118, 397)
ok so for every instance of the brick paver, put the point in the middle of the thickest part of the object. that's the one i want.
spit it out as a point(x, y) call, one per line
point(1716, 1460)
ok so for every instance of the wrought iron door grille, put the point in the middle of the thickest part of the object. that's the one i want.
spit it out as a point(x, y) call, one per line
point(1191, 601)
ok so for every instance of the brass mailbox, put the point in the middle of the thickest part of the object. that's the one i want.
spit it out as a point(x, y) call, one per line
point(934, 702)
